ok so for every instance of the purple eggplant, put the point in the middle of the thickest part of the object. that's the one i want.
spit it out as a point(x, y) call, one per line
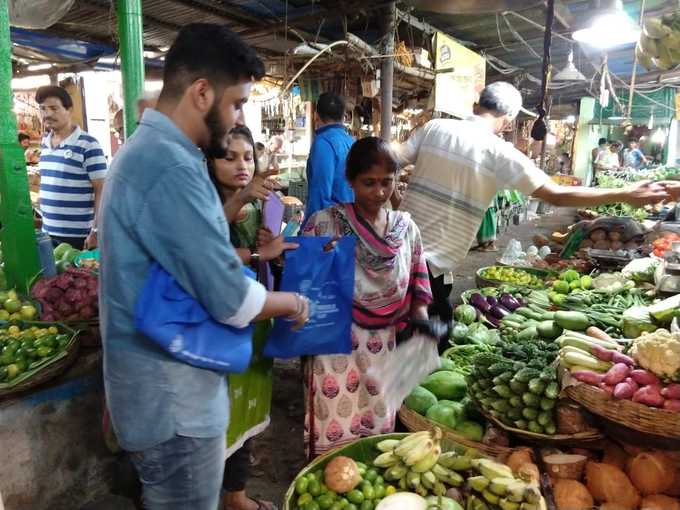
point(478, 301)
point(499, 312)
point(491, 300)
point(509, 302)
point(492, 320)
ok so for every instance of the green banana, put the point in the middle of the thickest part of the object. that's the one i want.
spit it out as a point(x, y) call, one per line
point(387, 445)
point(385, 460)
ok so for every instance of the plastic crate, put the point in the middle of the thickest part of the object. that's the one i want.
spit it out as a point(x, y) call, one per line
point(298, 189)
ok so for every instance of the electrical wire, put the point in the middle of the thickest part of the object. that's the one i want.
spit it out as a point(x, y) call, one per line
point(500, 38)
point(518, 37)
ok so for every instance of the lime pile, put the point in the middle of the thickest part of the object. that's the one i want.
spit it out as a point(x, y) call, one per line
point(12, 307)
point(511, 275)
point(22, 349)
point(313, 494)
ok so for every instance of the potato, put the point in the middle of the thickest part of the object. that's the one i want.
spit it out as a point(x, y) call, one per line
point(616, 245)
point(614, 236)
point(602, 245)
point(586, 243)
point(598, 235)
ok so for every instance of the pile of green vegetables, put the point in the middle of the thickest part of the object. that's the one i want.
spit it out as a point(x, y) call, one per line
point(517, 384)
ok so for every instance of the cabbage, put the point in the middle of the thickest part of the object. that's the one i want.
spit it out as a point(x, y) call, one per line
point(665, 311)
point(641, 270)
point(478, 333)
point(467, 314)
point(637, 320)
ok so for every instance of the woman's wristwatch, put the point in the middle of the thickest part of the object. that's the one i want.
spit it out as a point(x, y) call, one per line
point(254, 258)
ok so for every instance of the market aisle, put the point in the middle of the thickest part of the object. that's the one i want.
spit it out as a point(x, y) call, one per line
point(279, 451)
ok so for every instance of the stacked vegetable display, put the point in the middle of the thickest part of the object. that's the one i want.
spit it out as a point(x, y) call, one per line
point(442, 399)
point(70, 296)
point(649, 377)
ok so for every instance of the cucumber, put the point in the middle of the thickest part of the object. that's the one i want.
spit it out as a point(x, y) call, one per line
point(537, 387)
point(525, 311)
point(531, 400)
point(549, 329)
point(502, 390)
point(521, 424)
point(516, 401)
point(526, 374)
point(529, 413)
point(518, 387)
point(501, 406)
point(544, 418)
point(550, 428)
point(504, 378)
point(547, 404)
point(514, 317)
point(527, 334)
point(576, 321)
point(514, 414)
point(535, 427)
point(552, 390)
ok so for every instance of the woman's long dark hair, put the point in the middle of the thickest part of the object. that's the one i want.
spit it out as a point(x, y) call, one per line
point(236, 132)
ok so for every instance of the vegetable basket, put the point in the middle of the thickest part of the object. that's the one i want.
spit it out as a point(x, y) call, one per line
point(415, 422)
point(42, 370)
point(576, 440)
point(633, 415)
point(483, 282)
point(361, 450)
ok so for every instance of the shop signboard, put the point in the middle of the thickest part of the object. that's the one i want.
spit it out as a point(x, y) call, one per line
point(460, 77)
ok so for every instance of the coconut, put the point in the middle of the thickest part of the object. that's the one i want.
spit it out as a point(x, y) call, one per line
point(651, 472)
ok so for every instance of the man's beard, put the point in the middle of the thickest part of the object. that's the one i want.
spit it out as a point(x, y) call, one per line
point(217, 145)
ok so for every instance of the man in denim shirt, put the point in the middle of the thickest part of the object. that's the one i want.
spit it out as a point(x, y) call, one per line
point(159, 205)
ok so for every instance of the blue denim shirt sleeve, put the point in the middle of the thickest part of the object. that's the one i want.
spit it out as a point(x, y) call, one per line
point(190, 240)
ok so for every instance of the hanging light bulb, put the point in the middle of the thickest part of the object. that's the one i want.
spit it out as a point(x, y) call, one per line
point(610, 27)
point(570, 72)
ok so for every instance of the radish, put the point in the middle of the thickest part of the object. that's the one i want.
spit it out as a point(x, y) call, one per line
point(606, 387)
point(623, 391)
point(631, 381)
point(616, 374)
point(601, 353)
point(672, 405)
point(649, 395)
point(588, 377)
point(644, 377)
point(618, 357)
point(672, 391)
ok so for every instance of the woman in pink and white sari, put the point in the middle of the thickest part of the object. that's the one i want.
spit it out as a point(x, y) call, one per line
point(391, 287)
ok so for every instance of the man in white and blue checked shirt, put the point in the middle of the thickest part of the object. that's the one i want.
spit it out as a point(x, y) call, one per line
point(72, 172)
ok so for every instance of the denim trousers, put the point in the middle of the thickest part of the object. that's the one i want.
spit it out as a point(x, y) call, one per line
point(184, 473)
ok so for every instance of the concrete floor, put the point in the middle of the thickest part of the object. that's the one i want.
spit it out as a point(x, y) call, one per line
point(279, 450)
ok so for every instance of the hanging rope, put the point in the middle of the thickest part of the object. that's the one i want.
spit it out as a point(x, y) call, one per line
point(539, 129)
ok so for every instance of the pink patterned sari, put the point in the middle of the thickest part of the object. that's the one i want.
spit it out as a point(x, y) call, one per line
point(390, 276)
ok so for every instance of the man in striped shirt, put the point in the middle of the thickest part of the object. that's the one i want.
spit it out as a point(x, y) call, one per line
point(72, 172)
point(460, 165)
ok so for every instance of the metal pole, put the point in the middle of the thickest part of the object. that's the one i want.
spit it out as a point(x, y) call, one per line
point(387, 73)
point(19, 244)
point(631, 92)
point(129, 14)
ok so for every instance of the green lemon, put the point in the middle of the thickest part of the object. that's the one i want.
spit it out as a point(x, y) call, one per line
point(12, 305)
point(379, 481)
point(379, 491)
point(325, 501)
point(301, 486)
point(314, 487)
point(336, 506)
point(371, 475)
point(4, 315)
point(352, 506)
point(355, 496)
point(3, 374)
point(304, 499)
point(312, 505)
point(44, 351)
point(12, 371)
point(367, 490)
point(366, 505)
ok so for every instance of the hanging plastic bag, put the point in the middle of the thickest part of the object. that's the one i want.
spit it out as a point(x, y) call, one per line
point(326, 278)
point(180, 325)
point(418, 345)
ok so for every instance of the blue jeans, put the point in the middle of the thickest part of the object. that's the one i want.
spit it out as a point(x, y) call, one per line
point(184, 473)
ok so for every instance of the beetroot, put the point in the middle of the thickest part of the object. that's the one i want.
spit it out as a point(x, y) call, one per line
point(80, 283)
point(71, 295)
point(54, 295)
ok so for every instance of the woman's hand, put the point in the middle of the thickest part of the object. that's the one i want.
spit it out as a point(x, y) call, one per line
point(275, 248)
point(259, 188)
point(301, 315)
point(672, 188)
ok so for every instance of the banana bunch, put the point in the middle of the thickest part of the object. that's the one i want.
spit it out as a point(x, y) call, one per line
point(498, 487)
point(410, 462)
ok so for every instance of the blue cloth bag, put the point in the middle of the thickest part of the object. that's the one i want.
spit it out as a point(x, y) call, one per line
point(327, 279)
point(179, 324)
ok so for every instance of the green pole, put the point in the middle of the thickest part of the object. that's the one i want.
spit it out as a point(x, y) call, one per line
point(132, 58)
point(19, 246)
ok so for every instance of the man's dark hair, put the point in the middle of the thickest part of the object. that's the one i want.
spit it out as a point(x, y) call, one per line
point(331, 107)
point(614, 143)
point(23, 136)
point(601, 141)
point(212, 52)
point(368, 152)
point(54, 91)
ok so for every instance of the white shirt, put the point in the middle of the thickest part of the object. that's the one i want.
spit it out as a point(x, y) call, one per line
point(460, 165)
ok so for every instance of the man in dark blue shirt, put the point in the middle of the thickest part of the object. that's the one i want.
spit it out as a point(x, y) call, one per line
point(326, 182)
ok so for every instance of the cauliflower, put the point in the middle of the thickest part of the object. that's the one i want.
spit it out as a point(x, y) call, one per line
point(659, 352)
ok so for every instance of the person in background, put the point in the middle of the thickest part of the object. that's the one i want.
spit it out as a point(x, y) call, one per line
point(72, 171)
point(160, 206)
point(391, 287)
point(460, 165)
point(326, 181)
point(24, 140)
point(241, 189)
point(633, 156)
point(602, 146)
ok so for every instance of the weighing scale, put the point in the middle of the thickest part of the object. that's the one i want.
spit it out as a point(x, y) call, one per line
point(668, 274)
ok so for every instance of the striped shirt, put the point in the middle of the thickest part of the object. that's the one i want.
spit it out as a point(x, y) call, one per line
point(66, 191)
point(460, 165)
